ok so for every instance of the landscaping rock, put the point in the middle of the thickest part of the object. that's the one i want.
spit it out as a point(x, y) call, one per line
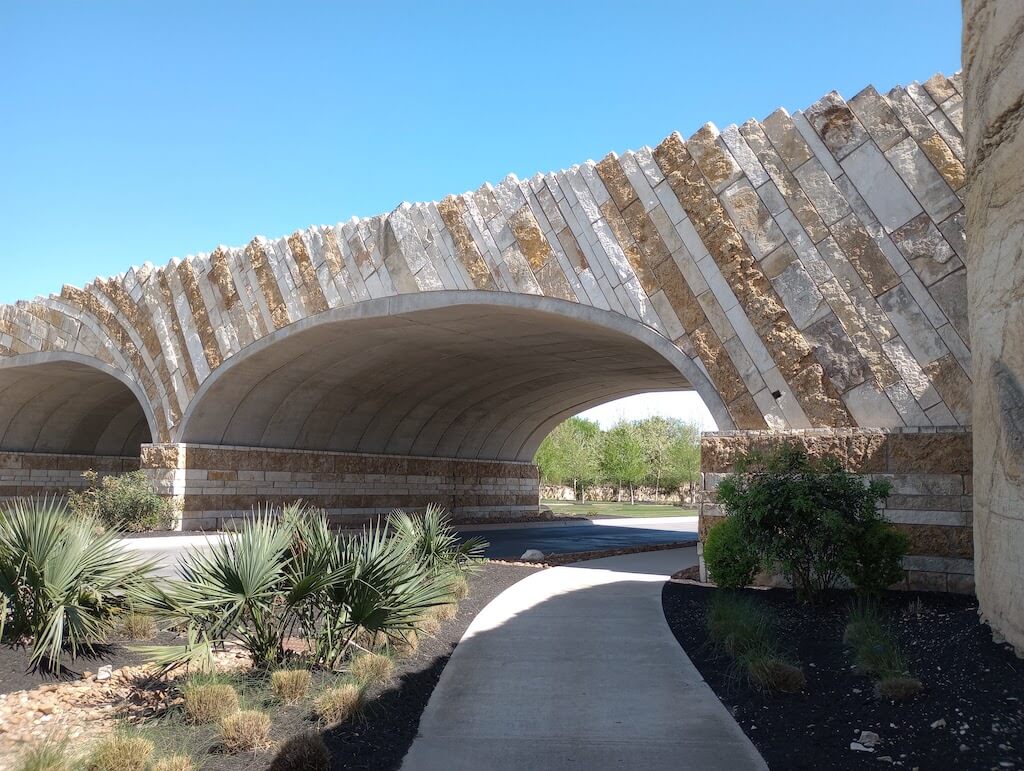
point(532, 555)
point(869, 738)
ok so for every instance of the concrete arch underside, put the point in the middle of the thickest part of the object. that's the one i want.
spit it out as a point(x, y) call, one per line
point(474, 375)
point(52, 403)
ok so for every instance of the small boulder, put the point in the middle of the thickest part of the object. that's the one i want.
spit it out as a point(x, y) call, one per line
point(532, 555)
point(869, 738)
point(104, 672)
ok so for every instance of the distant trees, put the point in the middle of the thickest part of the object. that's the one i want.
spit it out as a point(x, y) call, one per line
point(663, 453)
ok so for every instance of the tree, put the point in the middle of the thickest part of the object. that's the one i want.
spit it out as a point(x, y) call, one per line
point(571, 453)
point(623, 459)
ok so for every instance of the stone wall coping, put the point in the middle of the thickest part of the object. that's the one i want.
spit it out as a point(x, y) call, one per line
point(239, 448)
point(839, 431)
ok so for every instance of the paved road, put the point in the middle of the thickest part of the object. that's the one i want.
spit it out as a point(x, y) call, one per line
point(599, 534)
point(506, 541)
point(576, 668)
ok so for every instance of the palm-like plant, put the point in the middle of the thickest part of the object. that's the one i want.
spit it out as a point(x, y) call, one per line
point(434, 542)
point(62, 580)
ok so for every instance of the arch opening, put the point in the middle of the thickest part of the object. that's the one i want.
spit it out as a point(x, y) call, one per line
point(64, 405)
point(441, 374)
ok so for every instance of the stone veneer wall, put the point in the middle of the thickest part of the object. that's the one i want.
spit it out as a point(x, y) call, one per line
point(993, 56)
point(931, 498)
point(29, 475)
point(219, 483)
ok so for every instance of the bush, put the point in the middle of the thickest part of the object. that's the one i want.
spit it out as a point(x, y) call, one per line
point(173, 763)
point(125, 502)
point(120, 753)
point(290, 685)
point(48, 755)
point(433, 541)
point(339, 703)
point(369, 668)
point(458, 587)
point(245, 731)
point(729, 558)
point(305, 752)
point(209, 702)
point(62, 581)
point(873, 557)
point(801, 513)
point(444, 613)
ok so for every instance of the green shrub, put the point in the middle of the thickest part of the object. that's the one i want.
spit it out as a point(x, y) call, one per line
point(729, 558)
point(125, 502)
point(873, 557)
point(800, 513)
point(62, 580)
point(305, 752)
point(767, 672)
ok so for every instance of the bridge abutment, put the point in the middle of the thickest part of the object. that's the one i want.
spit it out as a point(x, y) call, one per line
point(931, 498)
point(214, 484)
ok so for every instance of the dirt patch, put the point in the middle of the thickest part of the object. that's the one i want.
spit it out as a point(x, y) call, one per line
point(970, 715)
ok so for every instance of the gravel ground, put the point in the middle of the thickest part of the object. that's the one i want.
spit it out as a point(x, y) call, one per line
point(974, 688)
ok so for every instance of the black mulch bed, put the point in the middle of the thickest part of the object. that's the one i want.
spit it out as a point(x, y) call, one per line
point(975, 685)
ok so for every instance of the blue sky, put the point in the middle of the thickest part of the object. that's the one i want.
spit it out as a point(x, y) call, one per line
point(136, 132)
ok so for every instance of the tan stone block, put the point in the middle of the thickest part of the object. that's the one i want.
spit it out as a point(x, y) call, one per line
point(877, 117)
point(553, 282)
point(864, 254)
point(677, 292)
point(938, 453)
point(939, 87)
point(532, 243)
point(451, 210)
point(629, 246)
point(745, 413)
point(312, 294)
point(645, 234)
point(717, 165)
point(953, 386)
point(716, 360)
point(943, 158)
point(837, 126)
point(615, 181)
point(257, 257)
point(787, 140)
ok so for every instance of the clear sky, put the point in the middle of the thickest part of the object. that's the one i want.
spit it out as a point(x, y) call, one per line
point(140, 131)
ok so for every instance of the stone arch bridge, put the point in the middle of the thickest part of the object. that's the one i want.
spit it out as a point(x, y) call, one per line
point(804, 274)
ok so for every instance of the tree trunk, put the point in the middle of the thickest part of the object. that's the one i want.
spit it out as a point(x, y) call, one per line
point(618, 493)
point(632, 499)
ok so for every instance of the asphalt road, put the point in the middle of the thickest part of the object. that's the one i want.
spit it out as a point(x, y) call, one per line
point(505, 541)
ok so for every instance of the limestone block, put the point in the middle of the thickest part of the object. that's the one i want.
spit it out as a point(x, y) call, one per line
point(910, 114)
point(890, 200)
point(923, 179)
point(837, 126)
point(878, 118)
point(926, 249)
point(909, 320)
point(752, 218)
point(744, 156)
point(717, 165)
point(864, 255)
point(800, 295)
point(837, 354)
point(825, 196)
point(822, 153)
point(787, 140)
point(871, 407)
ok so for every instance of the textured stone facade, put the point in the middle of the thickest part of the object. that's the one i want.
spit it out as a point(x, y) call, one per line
point(215, 484)
point(809, 267)
point(993, 56)
point(38, 475)
point(930, 470)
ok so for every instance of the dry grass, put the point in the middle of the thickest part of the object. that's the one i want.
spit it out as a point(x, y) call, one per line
point(428, 624)
point(772, 674)
point(370, 668)
point(173, 763)
point(209, 702)
point(245, 731)
point(305, 752)
point(899, 688)
point(445, 613)
point(138, 626)
point(459, 588)
point(49, 755)
point(120, 753)
point(335, 705)
point(408, 643)
point(290, 685)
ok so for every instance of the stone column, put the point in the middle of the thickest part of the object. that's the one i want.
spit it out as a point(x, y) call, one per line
point(993, 57)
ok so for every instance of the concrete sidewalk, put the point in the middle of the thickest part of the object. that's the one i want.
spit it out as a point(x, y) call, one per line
point(575, 668)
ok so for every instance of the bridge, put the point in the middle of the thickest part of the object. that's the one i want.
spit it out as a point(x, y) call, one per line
point(803, 274)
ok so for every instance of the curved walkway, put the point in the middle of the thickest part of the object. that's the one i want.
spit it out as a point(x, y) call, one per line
point(575, 668)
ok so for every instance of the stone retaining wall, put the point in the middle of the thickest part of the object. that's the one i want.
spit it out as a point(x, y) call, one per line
point(30, 475)
point(931, 498)
point(218, 483)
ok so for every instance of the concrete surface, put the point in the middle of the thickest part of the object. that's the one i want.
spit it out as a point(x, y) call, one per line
point(575, 667)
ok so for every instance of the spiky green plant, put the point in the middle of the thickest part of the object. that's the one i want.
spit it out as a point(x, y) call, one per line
point(62, 580)
point(434, 541)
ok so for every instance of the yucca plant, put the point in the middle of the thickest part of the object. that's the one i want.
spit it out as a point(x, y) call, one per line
point(249, 587)
point(434, 542)
point(379, 587)
point(62, 580)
